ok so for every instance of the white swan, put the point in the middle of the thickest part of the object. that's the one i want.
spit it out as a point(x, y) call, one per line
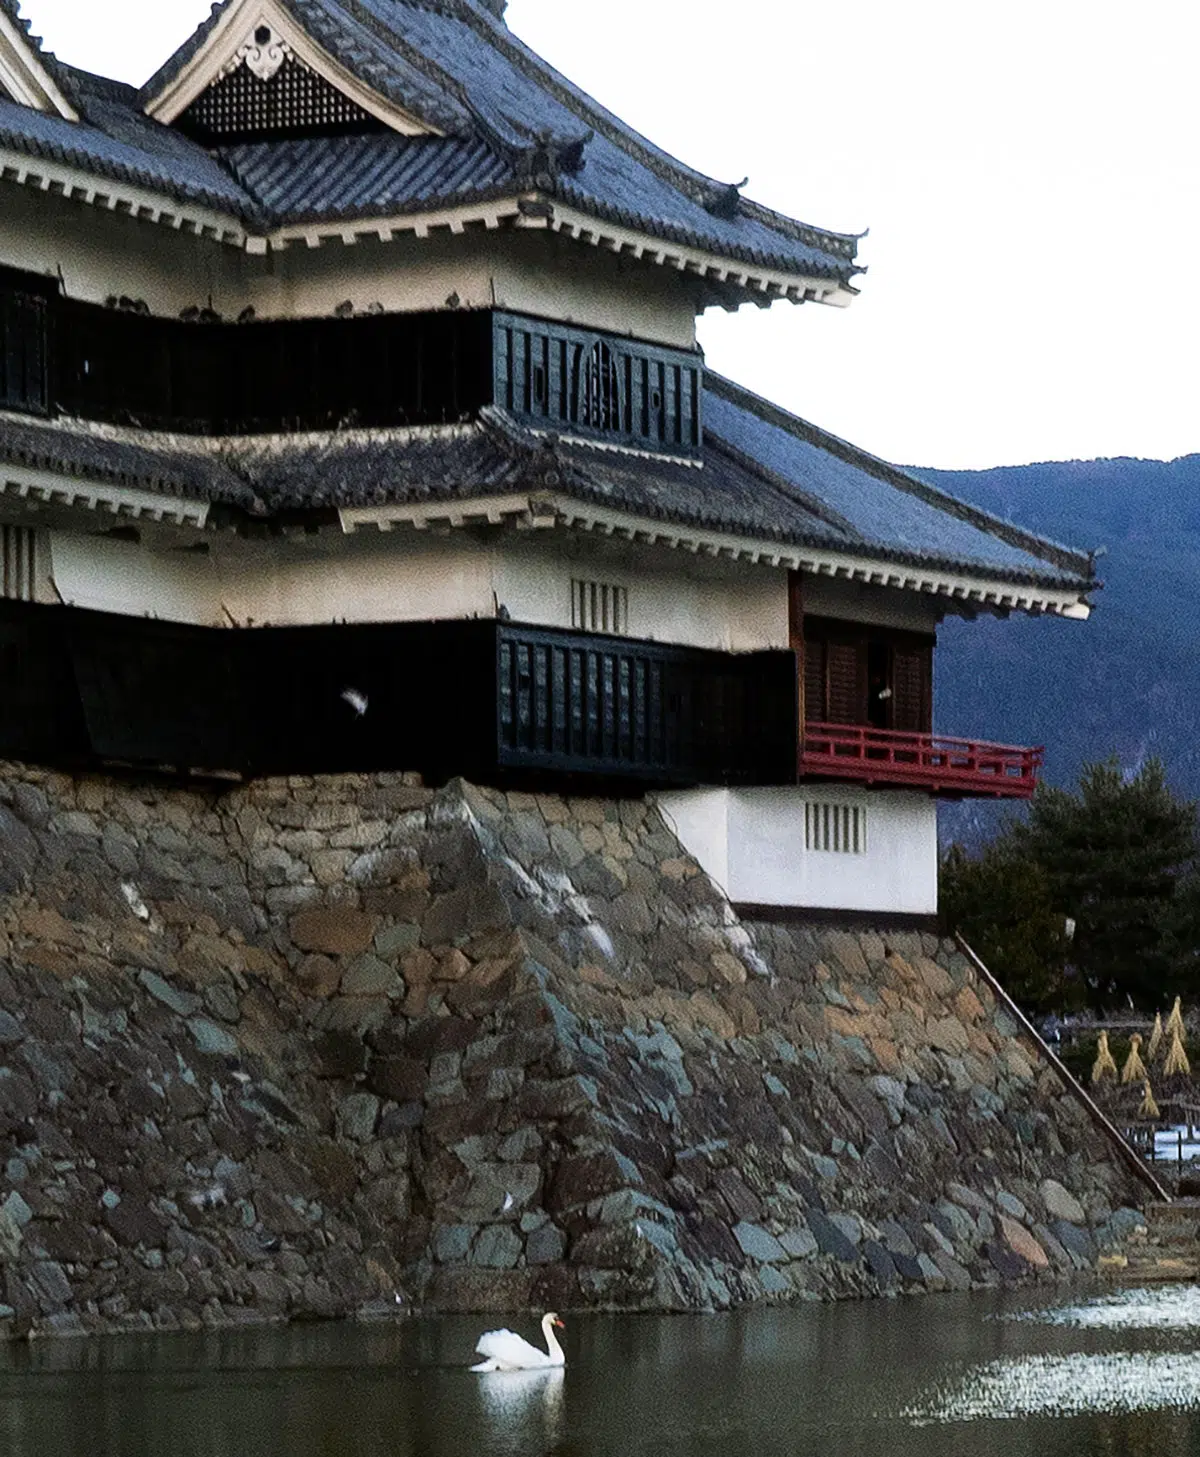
point(507, 1351)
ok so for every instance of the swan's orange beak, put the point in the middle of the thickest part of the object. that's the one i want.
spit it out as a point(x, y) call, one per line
point(561, 1324)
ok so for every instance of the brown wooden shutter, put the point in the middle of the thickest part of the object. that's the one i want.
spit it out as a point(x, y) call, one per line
point(846, 677)
point(912, 689)
point(814, 682)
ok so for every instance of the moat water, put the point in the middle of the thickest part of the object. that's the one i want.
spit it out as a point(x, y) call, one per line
point(1076, 1377)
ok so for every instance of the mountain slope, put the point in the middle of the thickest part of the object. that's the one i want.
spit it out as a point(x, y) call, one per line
point(1125, 683)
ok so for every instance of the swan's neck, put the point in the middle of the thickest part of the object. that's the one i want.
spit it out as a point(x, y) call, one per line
point(552, 1346)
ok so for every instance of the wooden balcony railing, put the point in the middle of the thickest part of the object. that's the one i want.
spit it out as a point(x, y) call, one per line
point(925, 761)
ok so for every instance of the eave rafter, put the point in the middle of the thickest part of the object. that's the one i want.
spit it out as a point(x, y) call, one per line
point(233, 39)
point(548, 510)
point(25, 77)
point(721, 281)
point(143, 202)
point(47, 489)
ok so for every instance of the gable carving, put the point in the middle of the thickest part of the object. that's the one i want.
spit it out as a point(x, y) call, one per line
point(257, 73)
point(263, 54)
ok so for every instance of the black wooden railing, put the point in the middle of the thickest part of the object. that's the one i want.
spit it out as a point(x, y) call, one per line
point(583, 703)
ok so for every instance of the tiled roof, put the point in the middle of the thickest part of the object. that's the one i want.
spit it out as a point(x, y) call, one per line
point(512, 125)
point(766, 476)
point(883, 505)
point(141, 460)
point(335, 177)
point(117, 142)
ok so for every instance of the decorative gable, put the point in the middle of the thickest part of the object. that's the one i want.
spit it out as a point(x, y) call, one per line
point(256, 73)
point(267, 92)
point(24, 76)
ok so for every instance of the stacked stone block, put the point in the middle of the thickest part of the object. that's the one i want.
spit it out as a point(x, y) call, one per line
point(319, 1047)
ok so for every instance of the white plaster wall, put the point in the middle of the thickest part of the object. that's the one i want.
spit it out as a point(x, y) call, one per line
point(530, 273)
point(101, 254)
point(118, 576)
point(752, 842)
point(673, 598)
point(410, 576)
point(356, 579)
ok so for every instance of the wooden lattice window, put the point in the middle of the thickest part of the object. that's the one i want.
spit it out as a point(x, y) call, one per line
point(599, 388)
point(599, 607)
point(294, 102)
point(567, 379)
point(838, 829)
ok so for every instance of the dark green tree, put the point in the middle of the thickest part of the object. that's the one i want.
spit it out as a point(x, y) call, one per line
point(1113, 854)
point(1117, 856)
point(1001, 902)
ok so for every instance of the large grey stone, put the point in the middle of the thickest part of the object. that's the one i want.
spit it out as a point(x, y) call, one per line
point(1077, 1242)
point(497, 1248)
point(451, 1242)
point(897, 1239)
point(830, 1238)
point(184, 1003)
point(880, 1263)
point(759, 1244)
point(1060, 1204)
point(799, 1242)
point(463, 913)
point(545, 1246)
point(368, 976)
point(1009, 1204)
point(357, 1116)
point(850, 1225)
point(211, 1038)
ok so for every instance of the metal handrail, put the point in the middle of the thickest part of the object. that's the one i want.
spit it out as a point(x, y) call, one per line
point(1072, 1084)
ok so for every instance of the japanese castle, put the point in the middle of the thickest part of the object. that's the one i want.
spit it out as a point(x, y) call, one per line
point(352, 418)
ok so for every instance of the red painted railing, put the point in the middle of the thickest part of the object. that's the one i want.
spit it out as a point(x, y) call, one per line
point(928, 761)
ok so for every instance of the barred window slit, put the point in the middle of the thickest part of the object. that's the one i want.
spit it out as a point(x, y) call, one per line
point(839, 829)
point(18, 564)
point(599, 607)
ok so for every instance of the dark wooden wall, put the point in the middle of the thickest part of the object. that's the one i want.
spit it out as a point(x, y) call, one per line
point(481, 699)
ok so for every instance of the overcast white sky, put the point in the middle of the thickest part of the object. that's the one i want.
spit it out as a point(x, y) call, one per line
point(1028, 170)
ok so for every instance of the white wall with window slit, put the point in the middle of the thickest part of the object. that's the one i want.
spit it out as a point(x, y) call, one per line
point(760, 847)
point(419, 576)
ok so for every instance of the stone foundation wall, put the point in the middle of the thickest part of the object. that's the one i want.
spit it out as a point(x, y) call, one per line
point(319, 1047)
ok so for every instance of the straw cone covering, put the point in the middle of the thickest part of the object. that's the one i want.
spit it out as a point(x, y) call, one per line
point(1156, 1037)
point(1175, 1020)
point(1149, 1108)
point(1104, 1066)
point(1134, 1070)
point(1177, 1061)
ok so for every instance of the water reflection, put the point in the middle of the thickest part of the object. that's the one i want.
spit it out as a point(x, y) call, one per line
point(1069, 1386)
point(977, 1376)
point(522, 1411)
point(1172, 1308)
